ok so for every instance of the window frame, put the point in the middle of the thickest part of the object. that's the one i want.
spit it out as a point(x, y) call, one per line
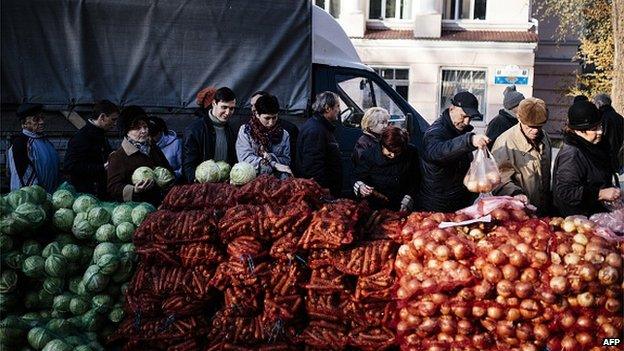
point(392, 82)
point(327, 7)
point(483, 104)
point(457, 14)
point(383, 12)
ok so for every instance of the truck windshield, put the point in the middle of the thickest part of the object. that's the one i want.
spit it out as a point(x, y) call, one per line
point(360, 93)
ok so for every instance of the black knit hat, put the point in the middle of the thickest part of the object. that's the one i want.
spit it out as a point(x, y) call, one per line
point(583, 115)
point(27, 110)
point(129, 117)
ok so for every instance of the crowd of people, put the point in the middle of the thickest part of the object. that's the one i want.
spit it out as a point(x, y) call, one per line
point(388, 171)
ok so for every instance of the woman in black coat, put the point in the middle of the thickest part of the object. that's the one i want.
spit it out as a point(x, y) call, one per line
point(387, 174)
point(583, 176)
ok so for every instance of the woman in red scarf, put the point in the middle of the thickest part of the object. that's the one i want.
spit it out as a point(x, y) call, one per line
point(262, 141)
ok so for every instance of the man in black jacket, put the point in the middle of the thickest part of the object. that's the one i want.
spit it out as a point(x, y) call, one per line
point(507, 117)
point(448, 145)
point(613, 125)
point(318, 154)
point(210, 137)
point(88, 150)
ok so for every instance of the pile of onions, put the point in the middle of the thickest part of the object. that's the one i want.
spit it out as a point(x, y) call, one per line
point(525, 284)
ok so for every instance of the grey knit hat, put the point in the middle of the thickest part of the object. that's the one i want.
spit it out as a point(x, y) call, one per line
point(512, 97)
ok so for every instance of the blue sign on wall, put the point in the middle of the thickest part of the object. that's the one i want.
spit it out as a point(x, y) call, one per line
point(511, 80)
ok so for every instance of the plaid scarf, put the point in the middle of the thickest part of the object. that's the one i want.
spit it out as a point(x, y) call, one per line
point(263, 135)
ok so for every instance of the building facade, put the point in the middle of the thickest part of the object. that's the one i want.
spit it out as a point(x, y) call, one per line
point(430, 49)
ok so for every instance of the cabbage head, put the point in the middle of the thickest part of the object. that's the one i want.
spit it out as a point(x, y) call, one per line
point(94, 280)
point(8, 281)
point(51, 248)
point(31, 248)
point(84, 203)
point(82, 229)
point(91, 320)
point(33, 214)
point(61, 302)
point(62, 199)
point(56, 265)
point(124, 232)
point(207, 172)
point(18, 197)
point(122, 213)
point(163, 176)
point(224, 170)
point(141, 174)
point(140, 212)
point(59, 326)
point(116, 315)
point(71, 252)
point(38, 337)
point(34, 267)
point(12, 331)
point(103, 249)
point(78, 305)
point(101, 303)
point(108, 264)
point(98, 216)
point(9, 225)
point(57, 345)
point(53, 286)
point(124, 272)
point(37, 194)
point(127, 250)
point(63, 219)
point(105, 233)
point(242, 173)
point(13, 259)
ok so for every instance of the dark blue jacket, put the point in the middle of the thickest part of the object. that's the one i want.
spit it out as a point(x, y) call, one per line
point(318, 154)
point(446, 160)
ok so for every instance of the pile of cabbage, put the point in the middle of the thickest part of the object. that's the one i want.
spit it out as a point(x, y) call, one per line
point(160, 175)
point(66, 259)
point(216, 172)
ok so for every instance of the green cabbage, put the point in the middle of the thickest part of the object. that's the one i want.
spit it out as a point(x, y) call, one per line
point(8, 281)
point(65, 238)
point(242, 173)
point(63, 199)
point(224, 170)
point(37, 194)
point(124, 272)
point(34, 267)
point(51, 248)
point(73, 284)
point(61, 303)
point(53, 286)
point(38, 337)
point(116, 315)
point(13, 259)
point(5, 208)
point(78, 305)
point(18, 197)
point(84, 203)
point(207, 172)
point(124, 232)
point(98, 216)
point(140, 212)
point(6, 243)
point(12, 331)
point(142, 173)
point(108, 264)
point(91, 320)
point(63, 219)
point(94, 280)
point(71, 252)
point(101, 303)
point(82, 230)
point(105, 233)
point(163, 177)
point(32, 214)
point(127, 251)
point(57, 345)
point(83, 348)
point(59, 326)
point(103, 249)
point(122, 213)
point(31, 248)
point(9, 225)
point(55, 265)
point(46, 300)
point(86, 255)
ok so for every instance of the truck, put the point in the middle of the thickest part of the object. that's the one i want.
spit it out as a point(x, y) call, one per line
point(158, 55)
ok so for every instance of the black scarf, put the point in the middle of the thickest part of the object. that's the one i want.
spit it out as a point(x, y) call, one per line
point(597, 153)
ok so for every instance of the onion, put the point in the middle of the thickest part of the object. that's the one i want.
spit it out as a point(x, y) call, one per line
point(449, 265)
point(584, 339)
point(491, 273)
point(464, 327)
point(412, 286)
point(584, 322)
point(614, 260)
point(523, 332)
point(500, 215)
point(482, 341)
point(548, 297)
point(461, 311)
point(539, 259)
point(512, 301)
point(427, 308)
point(443, 337)
point(402, 327)
point(608, 275)
point(559, 284)
point(438, 298)
point(476, 234)
point(427, 326)
point(578, 248)
point(462, 273)
point(439, 235)
point(529, 308)
point(519, 215)
point(529, 275)
point(613, 305)
point(523, 290)
point(585, 299)
point(504, 288)
point(404, 313)
point(555, 258)
point(576, 284)
point(447, 325)
point(528, 347)
point(594, 257)
point(610, 331)
point(418, 243)
point(479, 262)
point(513, 314)
point(571, 259)
point(402, 294)
point(523, 248)
point(572, 301)
point(495, 312)
point(568, 343)
point(541, 332)
point(563, 249)
point(413, 320)
point(510, 272)
point(504, 329)
point(466, 294)
point(414, 268)
point(587, 272)
point(478, 311)
point(517, 259)
point(460, 251)
point(497, 257)
point(482, 290)
point(433, 264)
point(404, 250)
point(507, 248)
point(568, 226)
point(427, 283)
point(581, 239)
point(567, 320)
point(431, 246)
point(557, 270)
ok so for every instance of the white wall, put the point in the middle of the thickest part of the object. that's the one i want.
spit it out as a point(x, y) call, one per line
point(508, 11)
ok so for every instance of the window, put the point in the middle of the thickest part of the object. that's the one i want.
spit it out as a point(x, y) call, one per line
point(390, 9)
point(397, 78)
point(331, 6)
point(464, 9)
point(454, 81)
point(357, 94)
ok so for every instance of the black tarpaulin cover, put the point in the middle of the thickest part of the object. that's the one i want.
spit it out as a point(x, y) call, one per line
point(154, 53)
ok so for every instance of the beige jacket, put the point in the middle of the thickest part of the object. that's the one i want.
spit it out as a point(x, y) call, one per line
point(524, 169)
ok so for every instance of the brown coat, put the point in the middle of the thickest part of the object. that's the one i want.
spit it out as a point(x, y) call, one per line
point(123, 162)
point(524, 169)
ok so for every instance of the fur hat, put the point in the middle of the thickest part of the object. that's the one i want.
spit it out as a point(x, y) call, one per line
point(533, 112)
point(129, 117)
point(511, 97)
point(583, 115)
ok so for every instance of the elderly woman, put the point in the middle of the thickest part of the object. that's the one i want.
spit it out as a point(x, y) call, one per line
point(263, 142)
point(583, 176)
point(388, 173)
point(373, 123)
point(137, 150)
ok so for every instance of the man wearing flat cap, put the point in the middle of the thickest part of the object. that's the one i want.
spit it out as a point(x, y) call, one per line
point(523, 155)
point(31, 158)
point(448, 145)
